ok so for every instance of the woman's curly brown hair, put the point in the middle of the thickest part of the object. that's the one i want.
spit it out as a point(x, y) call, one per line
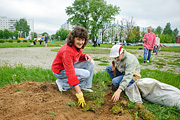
point(80, 32)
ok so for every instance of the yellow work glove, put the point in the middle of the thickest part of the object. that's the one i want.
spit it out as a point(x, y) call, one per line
point(81, 101)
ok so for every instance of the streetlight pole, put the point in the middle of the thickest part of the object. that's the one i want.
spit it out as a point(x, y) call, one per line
point(18, 34)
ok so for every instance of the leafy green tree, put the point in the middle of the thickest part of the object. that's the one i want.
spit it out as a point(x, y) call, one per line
point(136, 32)
point(61, 34)
point(165, 38)
point(11, 34)
point(158, 30)
point(6, 34)
point(169, 34)
point(53, 36)
point(101, 13)
point(22, 25)
point(35, 35)
point(79, 13)
point(174, 34)
point(45, 33)
point(1, 34)
point(167, 29)
point(15, 34)
point(91, 14)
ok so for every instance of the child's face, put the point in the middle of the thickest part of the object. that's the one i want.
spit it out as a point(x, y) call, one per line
point(119, 57)
point(79, 42)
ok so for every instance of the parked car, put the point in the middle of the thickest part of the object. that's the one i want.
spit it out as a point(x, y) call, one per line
point(115, 42)
point(129, 43)
point(105, 43)
point(139, 44)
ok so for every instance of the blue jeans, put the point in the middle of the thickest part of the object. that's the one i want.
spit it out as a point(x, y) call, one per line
point(118, 79)
point(84, 73)
point(145, 54)
point(156, 49)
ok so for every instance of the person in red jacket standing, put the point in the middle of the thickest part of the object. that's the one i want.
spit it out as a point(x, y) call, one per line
point(72, 67)
point(149, 40)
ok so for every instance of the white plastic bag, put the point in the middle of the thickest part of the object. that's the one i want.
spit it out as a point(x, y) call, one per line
point(159, 93)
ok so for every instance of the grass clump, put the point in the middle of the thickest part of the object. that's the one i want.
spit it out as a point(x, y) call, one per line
point(165, 77)
point(14, 75)
point(103, 64)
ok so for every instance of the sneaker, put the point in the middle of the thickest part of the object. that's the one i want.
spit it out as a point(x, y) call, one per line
point(59, 86)
point(148, 61)
point(87, 89)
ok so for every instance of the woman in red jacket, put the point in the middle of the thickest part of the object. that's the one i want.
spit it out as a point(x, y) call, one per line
point(72, 67)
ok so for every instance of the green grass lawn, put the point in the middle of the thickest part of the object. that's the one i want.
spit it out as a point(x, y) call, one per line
point(28, 44)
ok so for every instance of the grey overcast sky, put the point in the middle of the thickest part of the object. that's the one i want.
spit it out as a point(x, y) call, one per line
point(49, 15)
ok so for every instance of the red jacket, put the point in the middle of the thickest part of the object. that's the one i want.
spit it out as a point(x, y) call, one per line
point(65, 59)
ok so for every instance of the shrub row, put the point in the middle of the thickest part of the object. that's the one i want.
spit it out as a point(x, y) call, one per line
point(2, 41)
point(18, 41)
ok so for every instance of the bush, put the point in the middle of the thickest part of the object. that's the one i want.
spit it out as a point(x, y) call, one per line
point(2, 41)
point(10, 41)
point(30, 40)
point(24, 40)
point(18, 41)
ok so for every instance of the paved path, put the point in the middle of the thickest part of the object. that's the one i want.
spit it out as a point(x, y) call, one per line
point(43, 57)
point(34, 56)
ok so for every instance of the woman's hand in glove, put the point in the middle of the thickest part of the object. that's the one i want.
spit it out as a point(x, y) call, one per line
point(81, 101)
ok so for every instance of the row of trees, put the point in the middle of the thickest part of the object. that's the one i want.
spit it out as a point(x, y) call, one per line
point(167, 35)
point(126, 30)
point(94, 14)
point(61, 34)
point(6, 34)
point(22, 30)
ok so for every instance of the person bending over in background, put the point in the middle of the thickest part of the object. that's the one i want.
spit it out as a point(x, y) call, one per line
point(127, 70)
point(72, 67)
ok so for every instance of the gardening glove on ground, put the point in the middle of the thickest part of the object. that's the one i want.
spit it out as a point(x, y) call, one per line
point(81, 101)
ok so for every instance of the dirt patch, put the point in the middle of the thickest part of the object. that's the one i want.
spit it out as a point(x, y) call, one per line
point(43, 101)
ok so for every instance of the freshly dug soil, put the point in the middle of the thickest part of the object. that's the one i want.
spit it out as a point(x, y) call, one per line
point(43, 101)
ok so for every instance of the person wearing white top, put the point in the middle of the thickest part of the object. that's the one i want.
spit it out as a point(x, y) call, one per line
point(157, 48)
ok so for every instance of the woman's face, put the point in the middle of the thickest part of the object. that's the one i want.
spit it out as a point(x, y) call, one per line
point(149, 30)
point(79, 42)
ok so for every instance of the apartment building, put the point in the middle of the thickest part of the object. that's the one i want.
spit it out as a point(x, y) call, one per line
point(67, 26)
point(9, 23)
